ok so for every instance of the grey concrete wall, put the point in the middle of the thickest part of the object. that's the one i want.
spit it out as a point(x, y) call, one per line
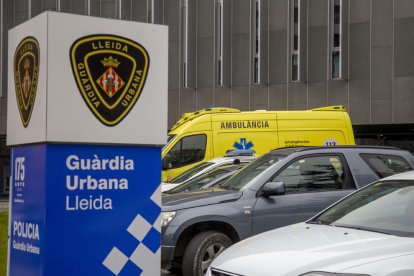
point(241, 44)
point(318, 54)
point(208, 92)
point(404, 61)
point(379, 55)
point(222, 96)
point(140, 10)
point(359, 61)
point(205, 47)
point(297, 95)
point(278, 97)
point(278, 47)
point(382, 33)
point(172, 19)
point(318, 41)
point(259, 97)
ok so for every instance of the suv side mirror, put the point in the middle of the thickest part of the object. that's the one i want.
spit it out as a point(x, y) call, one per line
point(273, 188)
point(166, 162)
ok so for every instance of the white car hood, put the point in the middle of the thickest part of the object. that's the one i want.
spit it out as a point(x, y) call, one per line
point(165, 186)
point(302, 248)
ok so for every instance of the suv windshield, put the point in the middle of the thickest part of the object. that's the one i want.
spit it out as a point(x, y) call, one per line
point(385, 206)
point(204, 179)
point(241, 178)
point(191, 172)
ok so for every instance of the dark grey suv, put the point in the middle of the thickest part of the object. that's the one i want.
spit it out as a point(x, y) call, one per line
point(282, 187)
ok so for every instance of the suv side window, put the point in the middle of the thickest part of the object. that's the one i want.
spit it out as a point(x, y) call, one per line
point(325, 172)
point(188, 150)
point(385, 165)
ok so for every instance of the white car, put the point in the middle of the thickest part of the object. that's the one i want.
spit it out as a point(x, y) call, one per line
point(203, 168)
point(369, 233)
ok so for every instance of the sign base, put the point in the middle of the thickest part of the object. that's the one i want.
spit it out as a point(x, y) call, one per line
point(85, 210)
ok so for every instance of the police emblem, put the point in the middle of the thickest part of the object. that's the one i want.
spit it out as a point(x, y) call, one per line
point(110, 72)
point(26, 73)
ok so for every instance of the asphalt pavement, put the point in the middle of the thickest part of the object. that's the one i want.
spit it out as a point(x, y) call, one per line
point(167, 273)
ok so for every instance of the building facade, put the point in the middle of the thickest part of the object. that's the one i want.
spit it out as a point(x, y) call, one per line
point(267, 54)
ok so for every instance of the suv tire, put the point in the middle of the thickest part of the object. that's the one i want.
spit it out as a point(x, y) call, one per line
point(202, 250)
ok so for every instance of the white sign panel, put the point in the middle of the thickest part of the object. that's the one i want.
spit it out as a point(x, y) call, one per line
point(99, 81)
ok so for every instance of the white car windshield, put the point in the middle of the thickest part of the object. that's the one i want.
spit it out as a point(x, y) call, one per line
point(191, 172)
point(385, 206)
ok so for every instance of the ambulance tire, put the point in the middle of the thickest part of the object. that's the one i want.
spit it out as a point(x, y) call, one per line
point(202, 250)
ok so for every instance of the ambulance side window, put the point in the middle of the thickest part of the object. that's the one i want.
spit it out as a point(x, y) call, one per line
point(188, 150)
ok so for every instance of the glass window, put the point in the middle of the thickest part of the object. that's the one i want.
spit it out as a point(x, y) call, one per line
point(243, 177)
point(336, 55)
point(188, 150)
point(256, 59)
point(314, 173)
point(185, 42)
point(295, 25)
point(295, 39)
point(386, 165)
point(336, 22)
point(295, 67)
point(220, 42)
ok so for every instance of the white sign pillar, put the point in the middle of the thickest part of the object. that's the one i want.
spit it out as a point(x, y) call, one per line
point(87, 119)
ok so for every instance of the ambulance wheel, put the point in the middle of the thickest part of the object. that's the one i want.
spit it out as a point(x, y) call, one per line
point(202, 250)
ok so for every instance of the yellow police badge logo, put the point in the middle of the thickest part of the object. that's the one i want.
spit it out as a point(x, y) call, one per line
point(26, 74)
point(110, 72)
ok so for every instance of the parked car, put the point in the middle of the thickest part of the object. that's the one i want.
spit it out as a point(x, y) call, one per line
point(282, 187)
point(209, 179)
point(232, 157)
point(370, 232)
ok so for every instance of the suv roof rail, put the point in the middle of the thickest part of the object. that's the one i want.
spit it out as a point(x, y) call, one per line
point(304, 148)
point(186, 117)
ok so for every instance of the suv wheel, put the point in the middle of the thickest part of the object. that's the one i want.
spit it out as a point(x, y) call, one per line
point(202, 250)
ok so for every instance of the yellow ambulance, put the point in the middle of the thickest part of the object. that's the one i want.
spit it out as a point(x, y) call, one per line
point(209, 133)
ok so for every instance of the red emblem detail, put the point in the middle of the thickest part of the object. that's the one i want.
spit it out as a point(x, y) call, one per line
point(110, 82)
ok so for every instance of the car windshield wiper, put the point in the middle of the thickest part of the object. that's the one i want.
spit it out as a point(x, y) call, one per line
point(222, 187)
point(317, 221)
point(362, 228)
point(227, 188)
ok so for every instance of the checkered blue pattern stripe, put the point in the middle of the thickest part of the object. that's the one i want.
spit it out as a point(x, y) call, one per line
point(145, 260)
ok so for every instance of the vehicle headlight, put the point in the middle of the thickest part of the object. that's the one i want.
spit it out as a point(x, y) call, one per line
point(167, 218)
point(321, 273)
